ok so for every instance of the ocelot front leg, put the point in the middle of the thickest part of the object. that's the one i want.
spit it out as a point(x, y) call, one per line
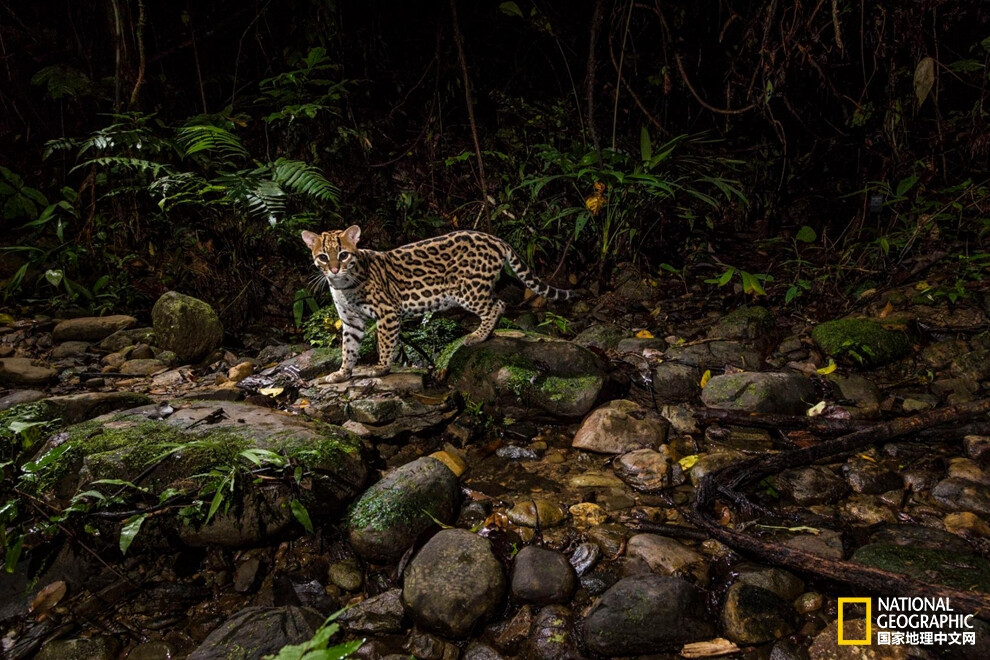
point(351, 335)
point(389, 323)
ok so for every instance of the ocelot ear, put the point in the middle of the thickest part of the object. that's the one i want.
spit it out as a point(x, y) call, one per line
point(309, 238)
point(353, 234)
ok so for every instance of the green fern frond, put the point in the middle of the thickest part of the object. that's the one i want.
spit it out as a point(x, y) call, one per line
point(305, 179)
point(198, 138)
point(62, 80)
point(139, 165)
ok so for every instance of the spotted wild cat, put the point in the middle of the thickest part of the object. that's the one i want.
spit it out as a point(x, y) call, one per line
point(455, 270)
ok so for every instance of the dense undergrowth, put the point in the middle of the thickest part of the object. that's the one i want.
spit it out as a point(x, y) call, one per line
point(829, 164)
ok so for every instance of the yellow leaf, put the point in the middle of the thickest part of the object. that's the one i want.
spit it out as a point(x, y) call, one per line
point(888, 308)
point(816, 409)
point(338, 324)
point(705, 377)
point(829, 368)
point(867, 293)
point(271, 391)
point(644, 334)
point(688, 462)
point(868, 458)
point(922, 286)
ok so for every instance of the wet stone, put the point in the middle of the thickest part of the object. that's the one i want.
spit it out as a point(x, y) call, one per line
point(784, 393)
point(93, 328)
point(738, 438)
point(667, 556)
point(390, 515)
point(811, 485)
point(83, 648)
point(646, 614)
point(17, 397)
point(620, 426)
point(866, 510)
point(247, 576)
point(752, 615)
point(869, 477)
point(716, 355)
point(709, 463)
point(826, 644)
point(452, 583)
point(955, 494)
point(70, 349)
point(536, 513)
point(24, 372)
point(783, 583)
point(553, 635)
point(610, 537)
point(961, 467)
point(541, 576)
point(827, 543)
point(141, 367)
point(346, 574)
point(673, 381)
point(381, 614)
point(649, 469)
point(256, 631)
point(584, 557)
point(424, 646)
point(977, 447)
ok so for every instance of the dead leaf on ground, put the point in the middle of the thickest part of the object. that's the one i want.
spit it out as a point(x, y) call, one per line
point(46, 599)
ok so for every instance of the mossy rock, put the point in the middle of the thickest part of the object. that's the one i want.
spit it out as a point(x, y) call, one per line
point(526, 375)
point(186, 326)
point(745, 323)
point(863, 341)
point(391, 515)
point(182, 452)
point(945, 566)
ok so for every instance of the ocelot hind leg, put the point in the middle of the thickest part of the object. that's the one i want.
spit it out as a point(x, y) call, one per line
point(489, 310)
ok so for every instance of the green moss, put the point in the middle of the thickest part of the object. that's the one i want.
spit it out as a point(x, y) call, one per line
point(865, 341)
point(380, 509)
point(944, 566)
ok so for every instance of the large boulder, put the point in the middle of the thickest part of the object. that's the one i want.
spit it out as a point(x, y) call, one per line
point(186, 326)
point(257, 631)
point(206, 444)
point(453, 583)
point(395, 511)
point(527, 375)
point(646, 614)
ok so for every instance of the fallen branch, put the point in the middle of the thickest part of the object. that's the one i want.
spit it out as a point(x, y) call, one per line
point(726, 482)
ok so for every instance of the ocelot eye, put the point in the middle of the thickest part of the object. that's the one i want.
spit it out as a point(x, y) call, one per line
point(343, 255)
point(322, 257)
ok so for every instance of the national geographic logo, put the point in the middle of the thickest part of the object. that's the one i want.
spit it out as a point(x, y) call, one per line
point(910, 621)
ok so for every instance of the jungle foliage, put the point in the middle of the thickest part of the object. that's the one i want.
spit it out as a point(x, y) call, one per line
point(147, 146)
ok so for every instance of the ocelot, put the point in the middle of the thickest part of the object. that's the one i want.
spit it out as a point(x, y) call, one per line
point(457, 269)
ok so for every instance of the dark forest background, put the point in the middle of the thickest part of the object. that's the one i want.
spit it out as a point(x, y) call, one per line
point(796, 150)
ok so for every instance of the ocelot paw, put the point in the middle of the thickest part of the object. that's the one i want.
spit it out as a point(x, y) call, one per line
point(472, 339)
point(339, 376)
point(379, 370)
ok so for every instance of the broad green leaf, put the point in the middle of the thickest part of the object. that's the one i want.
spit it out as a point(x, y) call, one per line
point(905, 185)
point(726, 276)
point(54, 276)
point(751, 284)
point(130, 530)
point(215, 504)
point(14, 554)
point(645, 145)
point(806, 234)
point(510, 9)
point(17, 426)
point(792, 293)
point(301, 514)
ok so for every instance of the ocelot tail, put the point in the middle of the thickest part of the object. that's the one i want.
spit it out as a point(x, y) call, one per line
point(458, 269)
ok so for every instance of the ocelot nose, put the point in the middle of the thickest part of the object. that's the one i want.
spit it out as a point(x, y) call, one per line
point(334, 270)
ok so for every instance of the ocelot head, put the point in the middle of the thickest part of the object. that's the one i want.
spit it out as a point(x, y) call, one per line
point(334, 252)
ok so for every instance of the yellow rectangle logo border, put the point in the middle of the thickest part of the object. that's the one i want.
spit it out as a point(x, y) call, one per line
point(869, 622)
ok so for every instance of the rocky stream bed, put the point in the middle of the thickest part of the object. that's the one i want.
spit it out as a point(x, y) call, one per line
point(528, 497)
